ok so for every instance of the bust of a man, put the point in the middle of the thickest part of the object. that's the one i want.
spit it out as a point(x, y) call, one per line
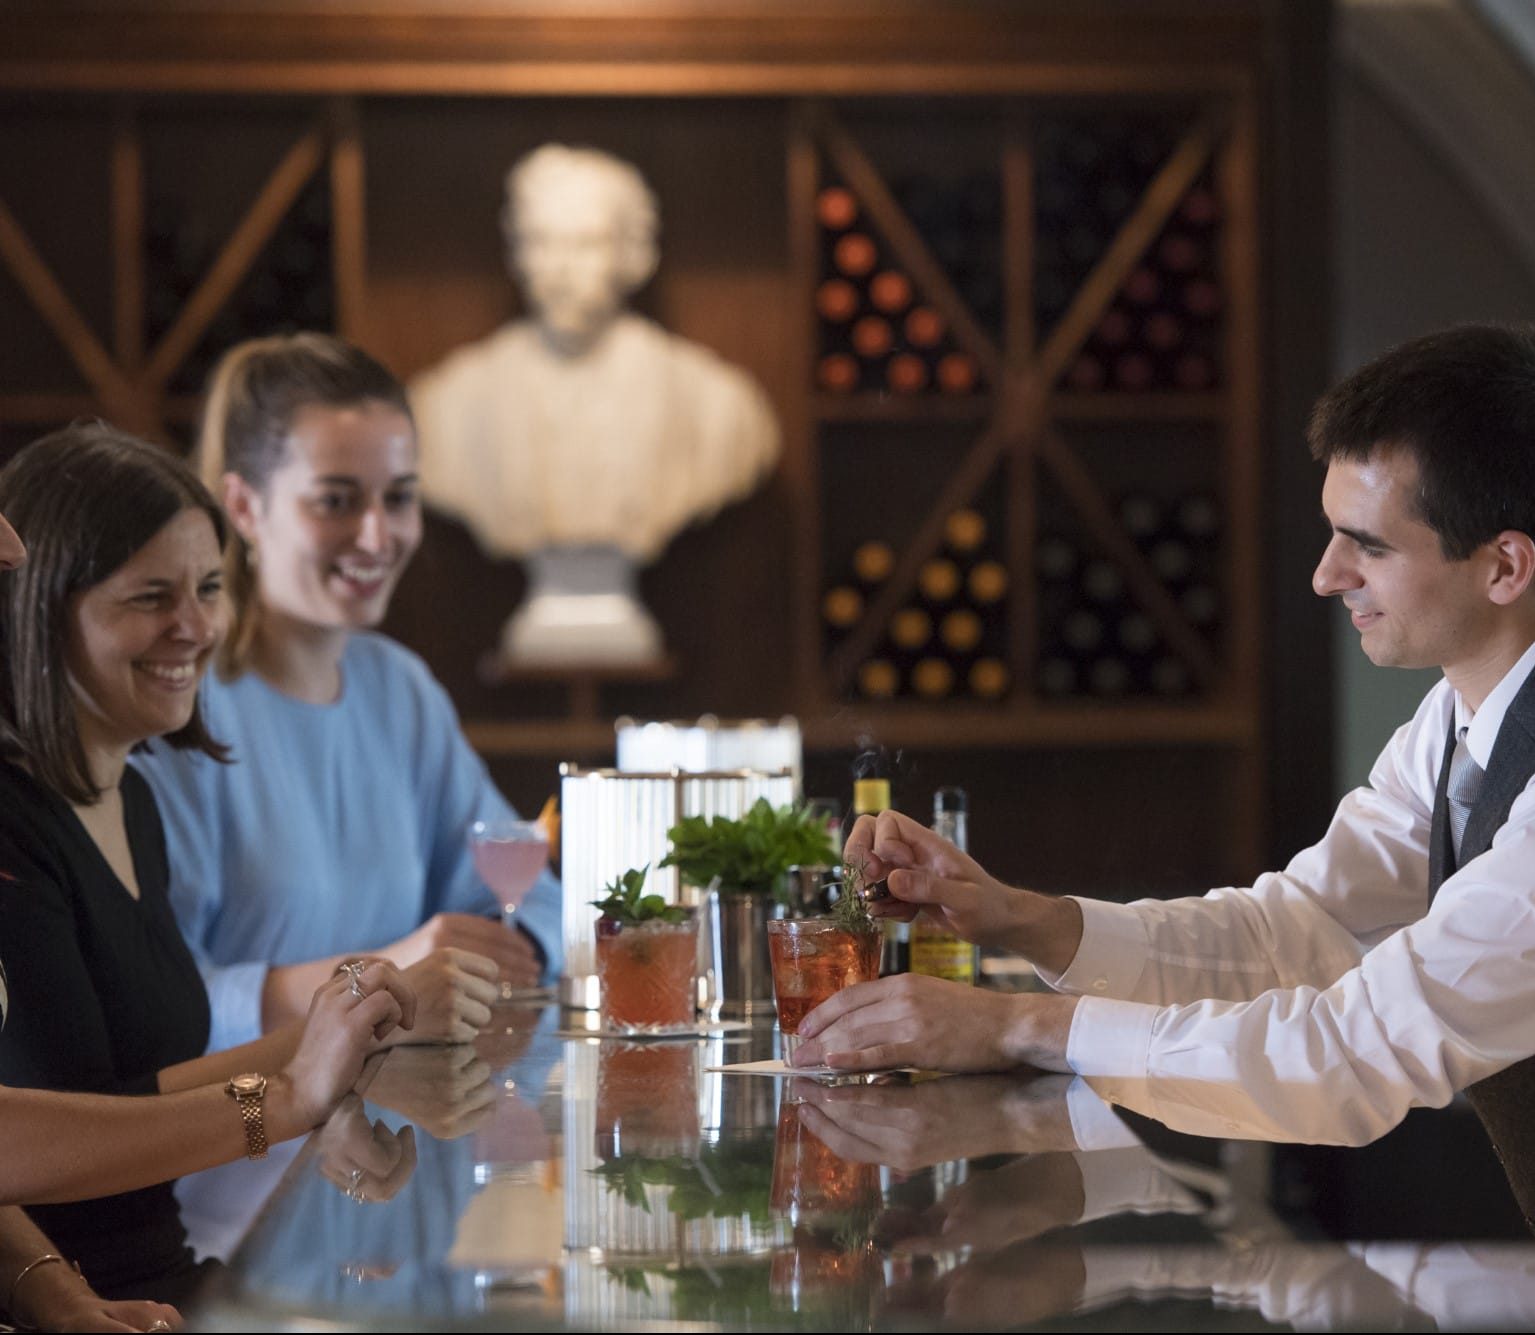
point(583, 437)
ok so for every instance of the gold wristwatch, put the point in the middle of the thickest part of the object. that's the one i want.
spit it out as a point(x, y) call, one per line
point(249, 1091)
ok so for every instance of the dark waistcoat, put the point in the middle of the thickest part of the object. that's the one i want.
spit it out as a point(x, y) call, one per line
point(1506, 1101)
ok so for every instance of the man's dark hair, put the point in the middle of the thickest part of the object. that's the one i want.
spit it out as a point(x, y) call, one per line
point(1462, 403)
point(84, 500)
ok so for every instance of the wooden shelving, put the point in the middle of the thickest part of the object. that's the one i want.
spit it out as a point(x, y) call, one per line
point(824, 93)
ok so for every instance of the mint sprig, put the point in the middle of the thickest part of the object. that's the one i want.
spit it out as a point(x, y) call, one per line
point(625, 902)
point(752, 853)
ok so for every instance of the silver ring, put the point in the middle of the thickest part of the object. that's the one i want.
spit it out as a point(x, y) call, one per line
point(354, 1187)
point(159, 1325)
point(353, 970)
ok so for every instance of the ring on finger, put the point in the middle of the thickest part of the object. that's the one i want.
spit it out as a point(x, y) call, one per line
point(158, 1325)
point(354, 1187)
point(353, 970)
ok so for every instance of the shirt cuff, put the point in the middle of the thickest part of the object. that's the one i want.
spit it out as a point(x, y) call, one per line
point(1111, 955)
point(234, 996)
point(1094, 1124)
point(1129, 1181)
point(1110, 1046)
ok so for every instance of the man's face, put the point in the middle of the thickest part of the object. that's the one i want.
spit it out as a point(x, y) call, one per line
point(1412, 606)
point(568, 253)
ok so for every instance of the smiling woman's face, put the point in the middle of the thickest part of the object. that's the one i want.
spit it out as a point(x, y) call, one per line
point(12, 552)
point(140, 640)
point(339, 520)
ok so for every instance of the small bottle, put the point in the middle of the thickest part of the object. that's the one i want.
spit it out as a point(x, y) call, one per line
point(935, 952)
point(871, 795)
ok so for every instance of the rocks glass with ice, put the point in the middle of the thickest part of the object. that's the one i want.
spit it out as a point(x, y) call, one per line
point(811, 959)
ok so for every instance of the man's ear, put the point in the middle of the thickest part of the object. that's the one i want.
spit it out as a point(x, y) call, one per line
point(241, 503)
point(1513, 567)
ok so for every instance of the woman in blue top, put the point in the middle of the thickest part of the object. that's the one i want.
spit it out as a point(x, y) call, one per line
point(341, 825)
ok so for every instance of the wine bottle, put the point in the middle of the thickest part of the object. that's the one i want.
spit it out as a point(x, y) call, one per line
point(855, 255)
point(836, 208)
point(932, 678)
point(890, 291)
point(961, 630)
point(838, 373)
point(1140, 514)
point(1057, 676)
point(911, 628)
point(924, 327)
point(906, 373)
point(836, 301)
point(1101, 581)
point(988, 678)
point(878, 679)
point(938, 580)
point(841, 607)
point(935, 951)
point(1055, 558)
point(964, 531)
point(873, 561)
point(957, 373)
point(872, 337)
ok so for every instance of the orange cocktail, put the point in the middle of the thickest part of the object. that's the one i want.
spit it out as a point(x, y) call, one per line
point(648, 974)
point(811, 959)
point(647, 1101)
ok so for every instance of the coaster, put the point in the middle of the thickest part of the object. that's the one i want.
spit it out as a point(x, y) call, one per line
point(709, 1029)
point(777, 1070)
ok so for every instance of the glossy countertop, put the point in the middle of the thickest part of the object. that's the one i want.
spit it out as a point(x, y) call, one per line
point(545, 1180)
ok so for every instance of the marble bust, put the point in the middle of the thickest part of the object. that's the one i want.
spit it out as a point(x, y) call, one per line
point(583, 437)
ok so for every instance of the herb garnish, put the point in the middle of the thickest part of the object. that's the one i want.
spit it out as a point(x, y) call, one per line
point(626, 904)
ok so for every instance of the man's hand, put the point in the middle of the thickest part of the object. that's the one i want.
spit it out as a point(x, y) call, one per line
point(1018, 1202)
point(1027, 1283)
point(909, 1127)
point(935, 1025)
point(511, 950)
point(926, 873)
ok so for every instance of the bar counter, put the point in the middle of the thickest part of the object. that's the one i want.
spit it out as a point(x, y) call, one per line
point(554, 1182)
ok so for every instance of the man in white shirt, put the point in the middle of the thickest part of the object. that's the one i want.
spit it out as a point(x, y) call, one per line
point(1324, 1001)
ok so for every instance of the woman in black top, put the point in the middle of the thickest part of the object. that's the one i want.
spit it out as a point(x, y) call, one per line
point(106, 633)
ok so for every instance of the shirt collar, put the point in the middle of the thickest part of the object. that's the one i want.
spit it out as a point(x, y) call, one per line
point(1482, 728)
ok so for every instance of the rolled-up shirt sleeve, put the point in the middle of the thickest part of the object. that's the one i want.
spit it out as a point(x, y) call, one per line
point(1430, 1010)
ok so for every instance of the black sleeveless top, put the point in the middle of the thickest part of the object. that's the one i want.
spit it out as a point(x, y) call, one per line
point(103, 993)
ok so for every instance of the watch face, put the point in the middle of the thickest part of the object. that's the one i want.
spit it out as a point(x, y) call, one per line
point(247, 1084)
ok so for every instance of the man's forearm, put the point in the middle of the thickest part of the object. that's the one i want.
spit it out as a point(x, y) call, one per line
point(1047, 932)
point(1040, 1030)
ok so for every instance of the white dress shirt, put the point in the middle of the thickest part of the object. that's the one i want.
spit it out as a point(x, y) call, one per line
point(1326, 1000)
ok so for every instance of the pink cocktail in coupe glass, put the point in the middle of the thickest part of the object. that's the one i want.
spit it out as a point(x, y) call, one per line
point(510, 855)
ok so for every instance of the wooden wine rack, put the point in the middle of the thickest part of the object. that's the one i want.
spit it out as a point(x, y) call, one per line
point(1019, 447)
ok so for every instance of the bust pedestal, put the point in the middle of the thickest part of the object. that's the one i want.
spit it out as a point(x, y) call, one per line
point(583, 608)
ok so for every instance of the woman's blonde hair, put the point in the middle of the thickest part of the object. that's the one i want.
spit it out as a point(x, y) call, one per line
point(256, 391)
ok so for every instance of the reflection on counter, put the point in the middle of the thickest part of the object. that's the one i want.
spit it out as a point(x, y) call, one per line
point(595, 1184)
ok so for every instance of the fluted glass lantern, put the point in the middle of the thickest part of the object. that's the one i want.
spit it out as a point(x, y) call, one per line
point(612, 820)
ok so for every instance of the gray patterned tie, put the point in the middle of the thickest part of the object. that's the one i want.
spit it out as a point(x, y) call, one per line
point(1465, 782)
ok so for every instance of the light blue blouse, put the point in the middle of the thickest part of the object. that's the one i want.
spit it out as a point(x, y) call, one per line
point(337, 828)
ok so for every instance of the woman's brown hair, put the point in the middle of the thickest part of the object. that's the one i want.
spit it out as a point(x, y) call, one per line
point(257, 390)
point(84, 500)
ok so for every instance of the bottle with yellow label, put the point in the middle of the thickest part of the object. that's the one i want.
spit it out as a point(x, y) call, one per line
point(871, 795)
point(935, 952)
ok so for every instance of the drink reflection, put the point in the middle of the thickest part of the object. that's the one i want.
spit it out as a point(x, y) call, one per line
point(647, 1101)
point(830, 1264)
